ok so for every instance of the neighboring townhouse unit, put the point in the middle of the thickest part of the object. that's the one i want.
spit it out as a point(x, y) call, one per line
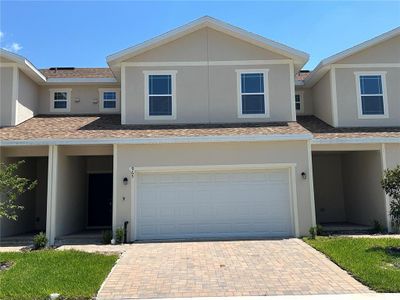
point(207, 131)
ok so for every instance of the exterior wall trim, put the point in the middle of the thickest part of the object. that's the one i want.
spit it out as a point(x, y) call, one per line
point(360, 114)
point(207, 63)
point(117, 100)
point(311, 181)
point(123, 94)
point(366, 140)
point(378, 65)
point(387, 198)
point(14, 106)
point(291, 167)
point(115, 186)
point(334, 98)
point(265, 73)
point(292, 91)
point(81, 80)
point(167, 140)
point(51, 194)
point(147, 73)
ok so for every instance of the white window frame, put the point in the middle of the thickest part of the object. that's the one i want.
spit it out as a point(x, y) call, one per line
point(117, 99)
point(239, 92)
point(301, 94)
point(147, 74)
point(359, 100)
point(52, 92)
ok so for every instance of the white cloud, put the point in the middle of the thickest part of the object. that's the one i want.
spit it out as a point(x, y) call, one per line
point(14, 47)
point(1, 34)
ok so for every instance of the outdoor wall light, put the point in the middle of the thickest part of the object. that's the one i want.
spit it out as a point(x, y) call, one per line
point(125, 180)
point(303, 175)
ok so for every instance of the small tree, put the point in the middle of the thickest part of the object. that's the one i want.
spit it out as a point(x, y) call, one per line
point(11, 187)
point(391, 184)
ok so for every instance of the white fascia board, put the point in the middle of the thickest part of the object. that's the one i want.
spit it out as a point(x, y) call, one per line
point(299, 57)
point(166, 140)
point(323, 66)
point(370, 140)
point(25, 65)
point(80, 80)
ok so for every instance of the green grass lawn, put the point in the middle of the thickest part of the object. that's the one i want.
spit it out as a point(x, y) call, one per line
point(369, 260)
point(35, 275)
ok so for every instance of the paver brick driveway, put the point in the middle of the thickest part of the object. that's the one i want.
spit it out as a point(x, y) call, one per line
point(227, 268)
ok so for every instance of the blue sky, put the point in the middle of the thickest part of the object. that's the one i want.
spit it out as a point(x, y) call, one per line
point(82, 34)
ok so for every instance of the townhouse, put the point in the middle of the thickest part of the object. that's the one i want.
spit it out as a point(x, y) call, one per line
point(207, 131)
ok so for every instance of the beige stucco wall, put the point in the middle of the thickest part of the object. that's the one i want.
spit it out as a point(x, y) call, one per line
point(88, 96)
point(385, 52)
point(392, 153)
point(322, 100)
point(306, 94)
point(206, 44)
point(211, 154)
point(208, 94)
point(28, 94)
point(364, 197)
point(347, 97)
point(6, 87)
point(71, 205)
point(328, 188)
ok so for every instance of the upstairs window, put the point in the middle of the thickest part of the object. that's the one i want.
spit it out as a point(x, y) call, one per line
point(60, 100)
point(372, 102)
point(252, 93)
point(160, 95)
point(109, 100)
point(299, 102)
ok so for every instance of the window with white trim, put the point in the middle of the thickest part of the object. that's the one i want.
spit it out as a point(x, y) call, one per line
point(60, 100)
point(252, 93)
point(299, 101)
point(160, 94)
point(109, 99)
point(372, 102)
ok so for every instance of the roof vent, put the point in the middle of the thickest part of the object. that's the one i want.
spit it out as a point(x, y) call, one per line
point(62, 68)
point(304, 71)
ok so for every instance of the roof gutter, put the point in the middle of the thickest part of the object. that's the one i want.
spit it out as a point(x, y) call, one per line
point(161, 140)
point(369, 140)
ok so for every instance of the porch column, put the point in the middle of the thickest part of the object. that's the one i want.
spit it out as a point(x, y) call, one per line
point(115, 187)
point(51, 194)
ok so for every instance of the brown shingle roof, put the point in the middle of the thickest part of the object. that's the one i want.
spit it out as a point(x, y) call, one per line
point(109, 126)
point(321, 130)
point(302, 75)
point(78, 73)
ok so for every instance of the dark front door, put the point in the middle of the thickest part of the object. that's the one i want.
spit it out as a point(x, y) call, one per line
point(100, 200)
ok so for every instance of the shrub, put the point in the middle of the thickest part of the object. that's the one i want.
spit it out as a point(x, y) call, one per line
point(119, 235)
point(391, 184)
point(378, 227)
point(39, 241)
point(319, 229)
point(106, 236)
point(313, 232)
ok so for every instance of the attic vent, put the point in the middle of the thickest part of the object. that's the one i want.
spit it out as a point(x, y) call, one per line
point(61, 68)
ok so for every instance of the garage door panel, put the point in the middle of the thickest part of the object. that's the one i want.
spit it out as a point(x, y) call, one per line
point(213, 204)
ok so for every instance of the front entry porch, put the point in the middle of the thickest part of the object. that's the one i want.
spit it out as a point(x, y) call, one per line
point(32, 219)
point(348, 195)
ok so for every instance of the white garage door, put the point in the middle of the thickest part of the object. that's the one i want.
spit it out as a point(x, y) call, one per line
point(213, 204)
